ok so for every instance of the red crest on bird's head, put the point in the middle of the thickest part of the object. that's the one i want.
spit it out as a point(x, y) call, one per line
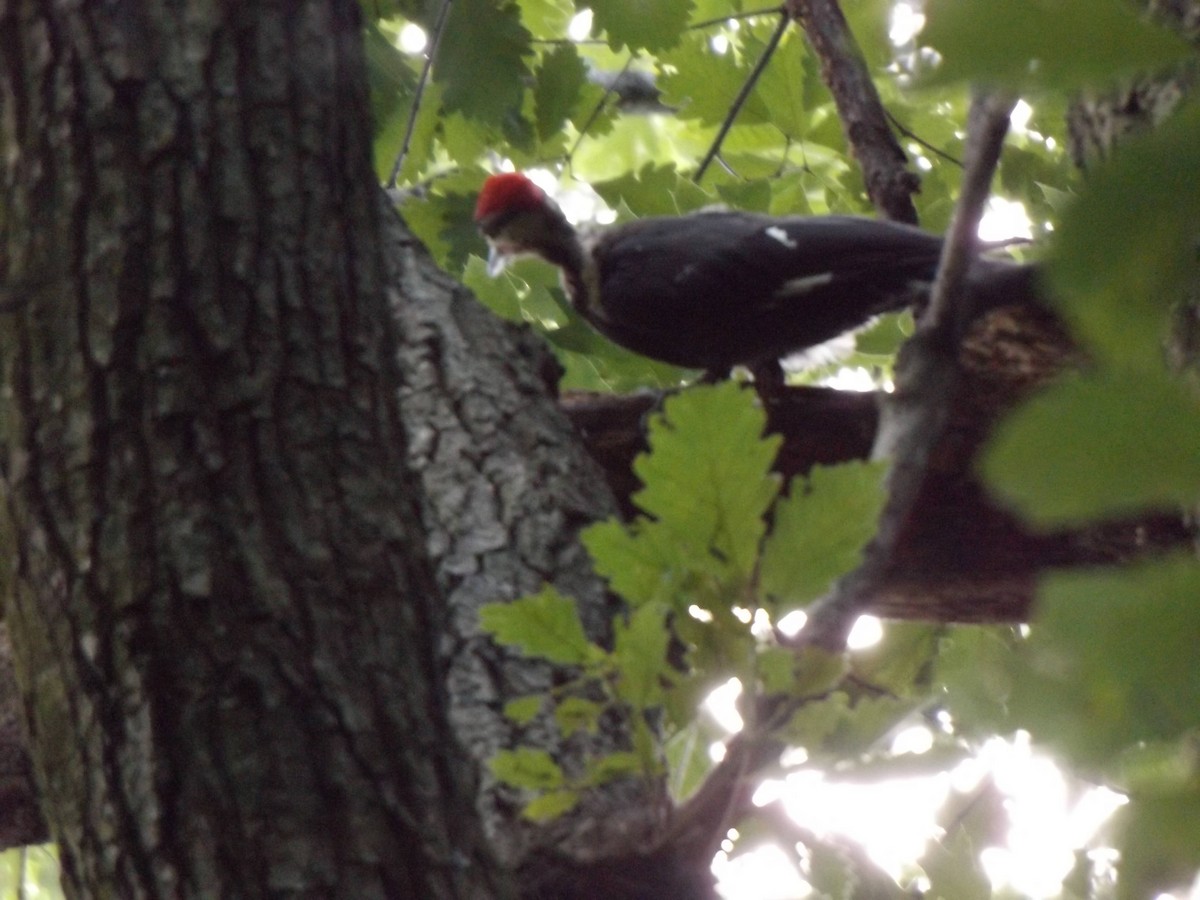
point(506, 192)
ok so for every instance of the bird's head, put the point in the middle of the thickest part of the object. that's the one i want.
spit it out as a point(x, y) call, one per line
point(516, 217)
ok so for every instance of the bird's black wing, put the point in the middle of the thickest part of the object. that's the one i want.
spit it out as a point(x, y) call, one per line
point(716, 289)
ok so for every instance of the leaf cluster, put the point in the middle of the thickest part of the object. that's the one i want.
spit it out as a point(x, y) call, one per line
point(724, 552)
point(533, 101)
point(717, 559)
point(1105, 677)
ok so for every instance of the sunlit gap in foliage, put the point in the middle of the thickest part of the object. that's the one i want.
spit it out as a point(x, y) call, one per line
point(1004, 219)
point(580, 28)
point(1019, 121)
point(856, 378)
point(1192, 894)
point(412, 39)
point(579, 203)
point(720, 43)
point(1045, 826)
point(906, 22)
point(867, 630)
point(721, 703)
point(895, 820)
point(904, 26)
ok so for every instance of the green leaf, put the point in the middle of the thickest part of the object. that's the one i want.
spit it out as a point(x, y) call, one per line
point(577, 714)
point(497, 294)
point(834, 730)
point(550, 805)
point(523, 709)
point(443, 224)
point(754, 196)
point(830, 871)
point(393, 83)
point(707, 474)
point(974, 671)
point(781, 87)
point(643, 562)
point(547, 19)
point(640, 654)
point(813, 722)
point(1110, 662)
point(900, 663)
point(641, 24)
point(559, 82)
point(1057, 44)
point(820, 529)
point(653, 191)
point(869, 22)
point(1159, 841)
point(464, 138)
point(527, 767)
point(613, 765)
point(1026, 169)
point(702, 83)
point(519, 293)
point(952, 864)
point(708, 485)
point(863, 726)
point(1120, 265)
point(31, 871)
point(886, 335)
point(481, 61)
point(1158, 767)
point(1099, 444)
point(688, 760)
point(545, 624)
point(776, 669)
point(594, 363)
point(817, 671)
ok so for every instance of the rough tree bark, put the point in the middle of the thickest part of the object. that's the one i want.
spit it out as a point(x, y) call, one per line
point(215, 573)
point(272, 523)
point(506, 486)
point(247, 532)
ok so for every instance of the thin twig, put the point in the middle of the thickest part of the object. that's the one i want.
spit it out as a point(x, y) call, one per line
point(752, 14)
point(987, 124)
point(889, 182)
point(435, 41)
point(562, 42)
point(912, 423)
point(695, 26)
point(608, 92)
point(743, 96)
point(913, 136)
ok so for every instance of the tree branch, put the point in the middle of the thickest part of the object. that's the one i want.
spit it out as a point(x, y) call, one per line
point(962, 558)
point(740, 100)
point(435, 41)
point(987, 124)
point(889, 183)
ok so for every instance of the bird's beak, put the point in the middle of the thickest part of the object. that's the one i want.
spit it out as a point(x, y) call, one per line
point(497, 259)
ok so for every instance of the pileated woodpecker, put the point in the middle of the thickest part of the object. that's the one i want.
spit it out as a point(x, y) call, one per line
point(714, 289)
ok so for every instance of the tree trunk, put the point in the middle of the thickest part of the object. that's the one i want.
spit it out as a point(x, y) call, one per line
point(222, 610)
point(506, 486)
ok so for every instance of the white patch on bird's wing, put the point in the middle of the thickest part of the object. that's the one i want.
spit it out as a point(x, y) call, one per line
point(796, 286)
point(774, 231)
